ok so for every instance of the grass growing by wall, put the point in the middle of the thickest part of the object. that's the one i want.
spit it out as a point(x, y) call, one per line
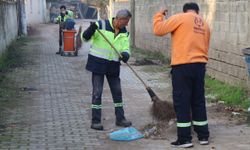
point(231, 95)
point(219, 91)
point(11, 58)
point(156, 68)
point(151, 55)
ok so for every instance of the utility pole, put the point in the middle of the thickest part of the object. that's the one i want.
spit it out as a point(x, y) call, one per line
point(22, 18)
point(132, 24)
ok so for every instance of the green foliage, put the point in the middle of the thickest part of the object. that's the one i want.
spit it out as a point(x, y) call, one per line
point(156, 68)
point(231, 95)
point(9, 93)
point(5, 137)
point(215, 90)
point(12, 57)
point(151, 55)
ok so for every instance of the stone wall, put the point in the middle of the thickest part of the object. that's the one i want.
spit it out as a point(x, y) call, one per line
point(8, 24)
point(230, 26)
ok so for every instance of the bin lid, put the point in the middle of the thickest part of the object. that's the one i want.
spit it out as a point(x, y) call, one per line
point(74, 31)
point(246, 51)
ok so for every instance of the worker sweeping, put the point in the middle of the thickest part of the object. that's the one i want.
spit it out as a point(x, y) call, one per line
point(190, 43)
point(61, 19)
point(103, 61)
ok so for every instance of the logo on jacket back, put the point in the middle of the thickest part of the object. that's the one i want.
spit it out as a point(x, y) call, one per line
point(199, 26)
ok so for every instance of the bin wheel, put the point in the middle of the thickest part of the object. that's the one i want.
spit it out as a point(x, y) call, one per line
point(62, 53)
point(76, 53)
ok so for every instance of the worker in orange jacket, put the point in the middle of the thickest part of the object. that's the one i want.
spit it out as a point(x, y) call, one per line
point(190, 41)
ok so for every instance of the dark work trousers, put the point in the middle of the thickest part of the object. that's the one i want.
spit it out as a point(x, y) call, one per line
point(189, 100)
point(115, 87)
point(61, 27)
point(60, 38)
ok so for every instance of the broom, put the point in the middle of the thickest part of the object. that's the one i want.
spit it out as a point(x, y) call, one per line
point(160, 110)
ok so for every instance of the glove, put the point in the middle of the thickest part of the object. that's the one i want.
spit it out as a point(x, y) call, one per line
point(125, 57)
point(62, 17)
point(90, 31)
point(93, 26)
point(164, 12)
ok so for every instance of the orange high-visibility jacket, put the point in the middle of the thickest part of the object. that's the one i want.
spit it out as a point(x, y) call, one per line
point(190, 36)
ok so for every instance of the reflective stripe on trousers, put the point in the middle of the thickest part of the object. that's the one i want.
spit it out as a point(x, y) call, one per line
point(118, 104)
point(183, 125)
point(115, 87)
point(189, 100)
point(200, 123)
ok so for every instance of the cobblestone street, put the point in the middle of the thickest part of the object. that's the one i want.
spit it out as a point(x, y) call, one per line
point(56, 113)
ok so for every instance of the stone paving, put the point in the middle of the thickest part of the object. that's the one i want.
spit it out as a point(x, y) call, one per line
point(56, 115)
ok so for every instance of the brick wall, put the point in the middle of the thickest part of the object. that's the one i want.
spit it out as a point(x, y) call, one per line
point(230, 24)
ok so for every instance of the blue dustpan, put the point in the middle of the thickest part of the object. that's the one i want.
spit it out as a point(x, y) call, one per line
point(125, 134)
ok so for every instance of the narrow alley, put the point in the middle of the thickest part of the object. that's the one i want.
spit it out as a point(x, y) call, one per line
point(55, 114)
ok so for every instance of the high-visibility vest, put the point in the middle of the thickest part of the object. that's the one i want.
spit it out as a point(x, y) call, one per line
point(101, 49)
point(70, 14)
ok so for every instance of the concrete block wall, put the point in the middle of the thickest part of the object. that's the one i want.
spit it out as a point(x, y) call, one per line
point(35, 11)
point(118, 5)
point(230, 34)
point(230, 26)
point(8, 24)
point(115, 6)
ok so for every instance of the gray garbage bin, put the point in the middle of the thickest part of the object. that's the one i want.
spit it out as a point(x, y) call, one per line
point(246, 52)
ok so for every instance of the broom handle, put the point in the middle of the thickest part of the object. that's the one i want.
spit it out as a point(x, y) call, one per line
point(121, 57)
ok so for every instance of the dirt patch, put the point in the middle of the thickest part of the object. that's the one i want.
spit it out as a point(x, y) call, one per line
point(216, 113)
point(157, 130)
point(32, 31)
point(145, 61)
point(227, 115)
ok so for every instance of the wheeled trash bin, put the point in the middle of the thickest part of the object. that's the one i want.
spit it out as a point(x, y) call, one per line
point(69, 43)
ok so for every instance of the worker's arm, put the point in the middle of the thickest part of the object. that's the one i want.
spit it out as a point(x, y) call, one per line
point(89, 32)
point(125, 52)
point(161, 27)
point(58, 19)
point(70, 14)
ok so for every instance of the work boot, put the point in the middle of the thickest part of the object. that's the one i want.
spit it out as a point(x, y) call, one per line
point(204, 141)
point(182, 144)
point(97, 126)
point(123, 123)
